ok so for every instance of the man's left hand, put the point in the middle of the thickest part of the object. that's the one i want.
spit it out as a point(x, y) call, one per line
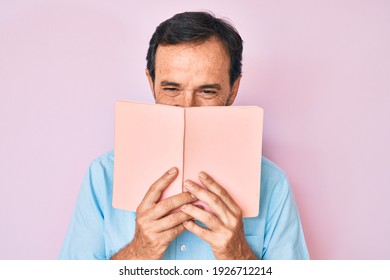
point(225, 229)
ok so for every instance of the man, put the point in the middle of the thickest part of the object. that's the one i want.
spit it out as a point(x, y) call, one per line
point(194, 59)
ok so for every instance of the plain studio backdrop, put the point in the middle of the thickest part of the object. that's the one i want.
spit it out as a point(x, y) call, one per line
point(320, 69)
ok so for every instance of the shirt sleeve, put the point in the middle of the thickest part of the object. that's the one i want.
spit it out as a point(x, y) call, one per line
point(284, 238)
point(85, 237)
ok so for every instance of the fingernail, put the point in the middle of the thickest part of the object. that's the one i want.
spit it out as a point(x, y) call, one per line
point(188, 185)
point(172, 171)
point(200, 206)
point(184, 206)
point(202, 175)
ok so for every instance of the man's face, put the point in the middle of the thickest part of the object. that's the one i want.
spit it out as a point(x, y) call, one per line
point(193, 75)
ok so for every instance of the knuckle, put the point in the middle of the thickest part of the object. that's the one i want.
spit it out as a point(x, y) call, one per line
point(165, 205)
point(203, 232)
point(238, 212)
point(142, 209)
point(209, 180)
point(161, 182)
point(139, 209)
point(196, 187)
point(147, 232)
point(222, 192)
point(215, 199)
point(235, 223)
point(154, 187)
point(210, 219)
point(172, 219)
point(175, 232)
point(182, 217)
point(140, 221)
point(186, 198)
point(164, 180)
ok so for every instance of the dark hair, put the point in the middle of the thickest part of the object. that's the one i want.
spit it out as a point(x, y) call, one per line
point(197, 27)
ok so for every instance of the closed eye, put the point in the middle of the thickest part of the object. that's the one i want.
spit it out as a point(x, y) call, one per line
point(209, 91)
point(171, 89)
point(169, 86)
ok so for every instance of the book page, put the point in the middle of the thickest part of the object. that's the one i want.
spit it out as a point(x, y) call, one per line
point(148, 141)
point(226, 143)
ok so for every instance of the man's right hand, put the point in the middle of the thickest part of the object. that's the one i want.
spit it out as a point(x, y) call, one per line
point(156, 223)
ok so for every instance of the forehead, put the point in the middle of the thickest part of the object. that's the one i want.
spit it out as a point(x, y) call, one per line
point(208, 56)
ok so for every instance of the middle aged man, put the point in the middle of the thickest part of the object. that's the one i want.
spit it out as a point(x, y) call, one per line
point(194, 59)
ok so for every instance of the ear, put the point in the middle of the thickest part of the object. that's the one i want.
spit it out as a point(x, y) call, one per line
point(151, 85)
point(234, 91)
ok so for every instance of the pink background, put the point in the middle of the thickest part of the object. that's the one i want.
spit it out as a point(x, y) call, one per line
point(320, 69)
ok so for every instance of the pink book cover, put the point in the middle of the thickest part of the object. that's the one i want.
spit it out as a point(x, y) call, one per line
point(223, 141)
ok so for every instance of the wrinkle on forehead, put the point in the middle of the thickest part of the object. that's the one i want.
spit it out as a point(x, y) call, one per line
point(189, 61)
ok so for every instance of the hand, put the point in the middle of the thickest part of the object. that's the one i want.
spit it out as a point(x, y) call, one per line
point(156, 224)
point(225, 232)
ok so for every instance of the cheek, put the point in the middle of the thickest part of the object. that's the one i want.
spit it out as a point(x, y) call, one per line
point(219, 100)
point(197, 100)
point(162, 98)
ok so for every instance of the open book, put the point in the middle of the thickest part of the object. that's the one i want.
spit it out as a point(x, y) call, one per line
point(223, 141)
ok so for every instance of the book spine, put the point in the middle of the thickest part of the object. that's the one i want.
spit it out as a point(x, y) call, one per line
point(184, 148)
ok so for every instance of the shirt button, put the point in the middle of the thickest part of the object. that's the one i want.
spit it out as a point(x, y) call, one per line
point(183, 248)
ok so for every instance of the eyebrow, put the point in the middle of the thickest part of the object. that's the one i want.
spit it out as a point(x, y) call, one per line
point(214, 86)
point(206, 86)
point(171, 84)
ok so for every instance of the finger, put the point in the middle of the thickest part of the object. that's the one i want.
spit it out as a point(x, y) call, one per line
point(203, 233)
point(210, 220)
point(172, 233)
point(217, 189)
point(156, 189)
point(199, 206)
point(171, 220)
point(169, 204)
point(214, 202)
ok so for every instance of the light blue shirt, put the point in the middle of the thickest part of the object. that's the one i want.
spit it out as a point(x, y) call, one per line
point(98, 231)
